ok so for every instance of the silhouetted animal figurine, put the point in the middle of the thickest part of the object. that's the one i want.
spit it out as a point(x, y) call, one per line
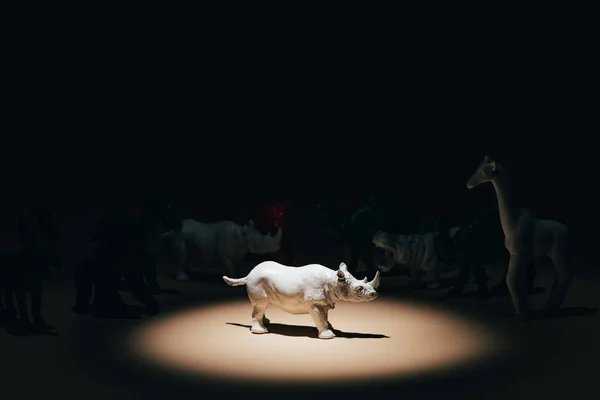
point(525, 238)
point(117, 256)
point(24, 269)
point(474, 245)
point(157, 218)
point(355, 226)
point(468, 248)
point(416, 251)
point(312, 289)
point(13, 315)
point(225, 240)
point(8, 311)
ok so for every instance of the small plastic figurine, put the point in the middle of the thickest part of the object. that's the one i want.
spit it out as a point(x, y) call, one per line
point(225, 240)
point(526, 238)
point(312, 289)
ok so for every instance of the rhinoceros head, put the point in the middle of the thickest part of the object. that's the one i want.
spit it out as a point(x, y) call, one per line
point(258, 243)
point(356, 290)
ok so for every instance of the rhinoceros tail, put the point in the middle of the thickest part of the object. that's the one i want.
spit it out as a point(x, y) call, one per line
point(235, 282)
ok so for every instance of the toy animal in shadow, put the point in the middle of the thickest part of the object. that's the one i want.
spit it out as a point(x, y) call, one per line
point(269, 217)
point(468, 248)
point(355, 226)
point(224, 241)
point(120, 255)
point(24, 266)
point(526, 238)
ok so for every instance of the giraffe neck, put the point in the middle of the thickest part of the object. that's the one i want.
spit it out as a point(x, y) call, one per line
point(502, 186)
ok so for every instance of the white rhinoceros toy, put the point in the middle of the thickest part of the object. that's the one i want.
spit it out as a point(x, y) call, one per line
point(312, 289)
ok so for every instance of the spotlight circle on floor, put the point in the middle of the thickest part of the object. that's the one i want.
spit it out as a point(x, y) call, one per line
point(378, 340)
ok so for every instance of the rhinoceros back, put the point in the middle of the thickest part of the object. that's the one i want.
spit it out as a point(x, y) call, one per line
point(285, 281)
point(223, 238)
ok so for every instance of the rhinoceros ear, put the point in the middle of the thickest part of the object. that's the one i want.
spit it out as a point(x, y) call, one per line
point(251, 223)
point(341, 276)
point(343, 267)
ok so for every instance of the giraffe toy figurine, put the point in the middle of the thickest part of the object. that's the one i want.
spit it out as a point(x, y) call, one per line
point(526, 238)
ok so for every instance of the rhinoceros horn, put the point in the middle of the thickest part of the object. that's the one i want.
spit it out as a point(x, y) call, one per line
point(365, 280)
point(375, 281)
point(278, 235)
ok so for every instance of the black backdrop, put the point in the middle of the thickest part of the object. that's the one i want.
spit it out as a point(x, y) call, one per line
point(214, 111)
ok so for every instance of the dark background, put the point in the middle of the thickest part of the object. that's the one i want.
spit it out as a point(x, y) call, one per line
point(221, 107)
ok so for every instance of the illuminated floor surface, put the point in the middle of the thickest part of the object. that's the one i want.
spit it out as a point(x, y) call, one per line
point(559, 356)
point(378, 340)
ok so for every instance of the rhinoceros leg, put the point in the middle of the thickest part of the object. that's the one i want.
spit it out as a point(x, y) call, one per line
point(258, 318)
point(320, 318)
point(434, 279)
point(326, 312)
point(183, 259)
point(415, 281)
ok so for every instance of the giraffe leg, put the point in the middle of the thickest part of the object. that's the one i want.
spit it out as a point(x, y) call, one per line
point(563, 282)
point(516, 282)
